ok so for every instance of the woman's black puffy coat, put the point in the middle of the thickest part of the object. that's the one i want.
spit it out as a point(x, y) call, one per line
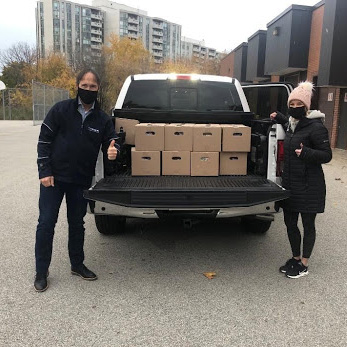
point(303, 175)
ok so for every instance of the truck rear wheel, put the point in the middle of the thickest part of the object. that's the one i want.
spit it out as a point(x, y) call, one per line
point(110, 225)
point(256, 226)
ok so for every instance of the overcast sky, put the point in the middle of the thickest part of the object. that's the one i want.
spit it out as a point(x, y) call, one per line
point(223, 24)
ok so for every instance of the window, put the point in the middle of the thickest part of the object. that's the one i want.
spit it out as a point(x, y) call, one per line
point(183, 95)
point(266, 99)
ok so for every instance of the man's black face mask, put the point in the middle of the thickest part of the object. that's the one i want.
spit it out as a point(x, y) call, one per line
point(87, 96)
point(297, 112)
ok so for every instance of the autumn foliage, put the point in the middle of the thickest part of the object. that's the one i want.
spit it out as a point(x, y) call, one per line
point(54, 71)
point(120, 58)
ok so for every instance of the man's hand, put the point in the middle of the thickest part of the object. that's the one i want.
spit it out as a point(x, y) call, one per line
point(47, 181)
point(112, 151)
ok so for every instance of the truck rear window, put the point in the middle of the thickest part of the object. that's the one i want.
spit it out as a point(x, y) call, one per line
point(182, 95)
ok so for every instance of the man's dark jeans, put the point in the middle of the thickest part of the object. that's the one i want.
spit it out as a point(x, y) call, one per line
point(49, 205)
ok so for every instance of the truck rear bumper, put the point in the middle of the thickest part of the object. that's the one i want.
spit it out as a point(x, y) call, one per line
point(262, 210)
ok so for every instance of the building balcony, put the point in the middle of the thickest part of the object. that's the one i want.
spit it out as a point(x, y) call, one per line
point(133, 27)
point(96, 16)
point(133, 20)
point(196, 49)
point(158, 47)
point(98, 47)
point(158, 60)
point(157, 25)
point(157, 54)
point(157, 33)
point(196, 55)
point(96, 39)
point(157, 40)
point(96, 32)
point(96, 24)
point(96, 54)
point(132, 35)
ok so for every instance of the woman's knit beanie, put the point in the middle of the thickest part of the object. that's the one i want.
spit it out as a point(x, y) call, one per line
point(302, 92)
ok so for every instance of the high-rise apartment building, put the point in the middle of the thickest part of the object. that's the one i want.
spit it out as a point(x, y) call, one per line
point(72, 29)
point(78, 31)
point(196, 50)
point(161, 37)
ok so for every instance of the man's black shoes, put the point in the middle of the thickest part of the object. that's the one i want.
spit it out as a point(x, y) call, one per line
point(41, 283)
point(84, 273)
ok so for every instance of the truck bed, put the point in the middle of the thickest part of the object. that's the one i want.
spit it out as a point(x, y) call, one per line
point(185, 191)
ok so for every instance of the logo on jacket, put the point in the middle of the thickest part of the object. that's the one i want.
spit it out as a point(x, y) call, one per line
point(93, 130)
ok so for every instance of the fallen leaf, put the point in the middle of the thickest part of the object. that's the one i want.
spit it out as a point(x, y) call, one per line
point(210, 275)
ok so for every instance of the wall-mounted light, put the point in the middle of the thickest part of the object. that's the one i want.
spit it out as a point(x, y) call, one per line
point(276, 31)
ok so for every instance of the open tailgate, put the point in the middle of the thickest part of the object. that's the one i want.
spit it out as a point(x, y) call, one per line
point(185, 191)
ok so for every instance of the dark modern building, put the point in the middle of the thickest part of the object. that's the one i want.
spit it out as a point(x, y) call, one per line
point(303, 42)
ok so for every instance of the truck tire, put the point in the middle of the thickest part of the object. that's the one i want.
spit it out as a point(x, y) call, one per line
point(256, 226)
point(110, 225)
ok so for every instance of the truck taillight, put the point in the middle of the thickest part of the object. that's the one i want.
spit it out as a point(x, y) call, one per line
point(187, 77)
point(280, 158)
point(183, 77)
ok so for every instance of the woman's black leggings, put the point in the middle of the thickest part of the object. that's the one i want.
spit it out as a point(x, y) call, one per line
point(294, 235)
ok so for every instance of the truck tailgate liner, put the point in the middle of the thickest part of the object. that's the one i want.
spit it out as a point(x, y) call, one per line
point(185, 191)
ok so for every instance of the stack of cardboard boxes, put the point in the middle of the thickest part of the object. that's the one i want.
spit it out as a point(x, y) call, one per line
point(187, 149)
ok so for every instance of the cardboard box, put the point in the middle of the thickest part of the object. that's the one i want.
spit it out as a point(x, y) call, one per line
point(204, 163)
point(236, 138)
point(145, 163)
point(149, 137)
point(176, 163)
point(207, 138)
point(179, 137)
point(233, 163)
point(128, 126)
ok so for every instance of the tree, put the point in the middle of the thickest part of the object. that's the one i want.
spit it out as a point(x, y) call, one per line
point(182, 65)
point(19, 52)
point(210, 66)
point(121, 58)
point(13, 74)
point(13, 62)
point(52, 70)
point(185, 65)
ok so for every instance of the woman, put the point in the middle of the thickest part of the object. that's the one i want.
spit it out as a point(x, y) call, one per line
point(306, 147)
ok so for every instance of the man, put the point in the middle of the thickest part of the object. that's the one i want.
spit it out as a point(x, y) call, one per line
point(68, 146)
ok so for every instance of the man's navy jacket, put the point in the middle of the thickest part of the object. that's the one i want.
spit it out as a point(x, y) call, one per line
point(68, 147)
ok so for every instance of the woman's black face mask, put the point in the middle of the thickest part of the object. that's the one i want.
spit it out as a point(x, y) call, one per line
point(87, 96)
point(297, 112)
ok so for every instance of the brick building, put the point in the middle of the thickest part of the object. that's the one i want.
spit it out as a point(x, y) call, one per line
point(227, 65)
point(303, 42)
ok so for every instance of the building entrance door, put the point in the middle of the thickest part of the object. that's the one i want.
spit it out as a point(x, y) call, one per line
point(342, 134)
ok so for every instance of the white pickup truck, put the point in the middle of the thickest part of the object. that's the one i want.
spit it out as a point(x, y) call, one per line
point(172, 98)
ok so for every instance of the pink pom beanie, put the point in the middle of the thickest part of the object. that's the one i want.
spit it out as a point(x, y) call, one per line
point(302, 92)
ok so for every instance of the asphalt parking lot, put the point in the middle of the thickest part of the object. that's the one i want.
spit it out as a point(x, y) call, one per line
point(151, 290)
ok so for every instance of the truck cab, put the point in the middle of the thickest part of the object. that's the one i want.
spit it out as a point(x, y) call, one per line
point(188, 98)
